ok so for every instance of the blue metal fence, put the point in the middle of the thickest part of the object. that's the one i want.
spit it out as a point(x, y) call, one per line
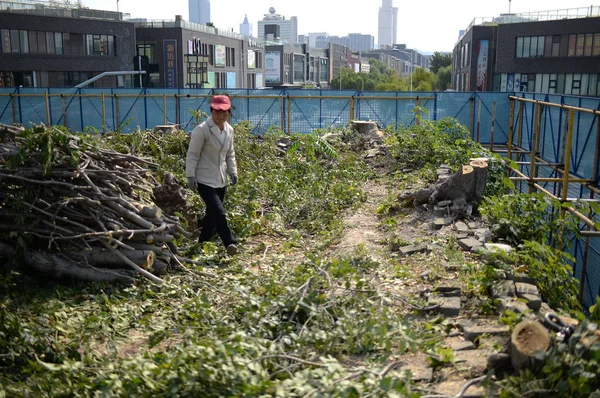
point(304, 111)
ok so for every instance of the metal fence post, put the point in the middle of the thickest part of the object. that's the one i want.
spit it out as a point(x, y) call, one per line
point(47, 100)
point(510, 134)
point(289, 114)
point(492, 129)
point(117, 122)
point(352, 108)
point(14, 107)
point(165, 109)
point(418, 111)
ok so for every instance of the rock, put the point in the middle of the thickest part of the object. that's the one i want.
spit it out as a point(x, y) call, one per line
point(425, 275)
point(465, 323)
point(440, 222)
point(533, 301)
point(526, 288)
point(510, 304)
point(483, 234)
point(493, 247)
point(472, 225)
point(408, 250)
point(475, 360)
point(461, 235)
point(469, 244)
point(454, 333)
point(500, 274)
point(472, 332)
point(449, 306)
point(461, 227)
point(459, 345)
point(371, 153)
point(445, 203)
point(452, 388)
point(448, 291)
point(523, 278)
point(505, 288)
point(418, 373)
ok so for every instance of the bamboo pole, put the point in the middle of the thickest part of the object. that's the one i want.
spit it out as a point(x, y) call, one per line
point(471, 115)
point(352, 108)
point(511, 117)
point(117, 123)
point(418, 111)
point(568, 107)
point(478, 120)
point(493, 123)
point(14, 108)
point(289, 115)
point(567, 168)
point(47, 100)
point(103, 114)
point(165, 109)
point(532, 170)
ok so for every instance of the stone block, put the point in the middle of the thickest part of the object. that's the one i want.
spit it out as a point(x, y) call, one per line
point(526, 288)
point(533, 301)
point(475, 360)
point(412, 249)
point(418, 373)
point(461, 235)
point(452, 388)
point(469, 244)
point(441, 222)
point(459, 344)
point(483, 234)
point(461, 227)
point(523, 278)
point(498, 247)
point(472, 332)
point(449, 306)
point(514, 305)
point(505, 288)
point(445, 203)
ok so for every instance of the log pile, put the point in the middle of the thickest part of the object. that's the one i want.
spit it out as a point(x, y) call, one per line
point(82, 212)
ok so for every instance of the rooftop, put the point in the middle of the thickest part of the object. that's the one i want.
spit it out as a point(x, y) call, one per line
point(56, 9)
point(536, 16)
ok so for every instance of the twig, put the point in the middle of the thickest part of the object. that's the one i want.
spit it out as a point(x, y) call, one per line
point(133, 265)
point(291, 358)
point(461, 392)
point(304, 289)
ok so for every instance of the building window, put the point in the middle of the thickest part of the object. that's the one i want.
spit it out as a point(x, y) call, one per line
point(555, 46)
point(100, 45)
point(147, 50)
point(531, 46)
point(584, 45)
point(211, 56)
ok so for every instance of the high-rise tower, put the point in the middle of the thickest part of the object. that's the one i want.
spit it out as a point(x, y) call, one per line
point(199, 11)
point(388, 24)
point(246, 27)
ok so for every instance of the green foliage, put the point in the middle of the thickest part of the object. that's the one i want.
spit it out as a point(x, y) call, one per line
point(444, 78)
point(553, 273)
point(439, 61)
point(432, 144)
point(527, 217)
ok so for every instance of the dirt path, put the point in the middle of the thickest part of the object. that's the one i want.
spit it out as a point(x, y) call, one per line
point(362, 226)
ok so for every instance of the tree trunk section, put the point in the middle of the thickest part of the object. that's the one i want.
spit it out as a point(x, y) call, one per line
point(527, 338)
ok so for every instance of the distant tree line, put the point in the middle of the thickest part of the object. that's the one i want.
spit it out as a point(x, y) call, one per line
point(382, 78)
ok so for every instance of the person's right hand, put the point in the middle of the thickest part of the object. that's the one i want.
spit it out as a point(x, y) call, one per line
point(192, 183)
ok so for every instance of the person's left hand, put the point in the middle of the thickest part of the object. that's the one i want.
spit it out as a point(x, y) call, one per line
point(234, 179)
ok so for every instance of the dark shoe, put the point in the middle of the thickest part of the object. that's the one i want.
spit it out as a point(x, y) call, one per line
point(232, 249)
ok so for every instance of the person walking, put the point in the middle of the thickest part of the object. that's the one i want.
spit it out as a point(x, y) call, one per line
point(210, 158)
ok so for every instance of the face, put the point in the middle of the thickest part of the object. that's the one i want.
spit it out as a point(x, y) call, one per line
point(220, 117)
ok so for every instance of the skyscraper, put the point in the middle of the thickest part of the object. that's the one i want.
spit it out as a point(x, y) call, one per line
point(199, 11)
point(246, 27)
point(388, 24)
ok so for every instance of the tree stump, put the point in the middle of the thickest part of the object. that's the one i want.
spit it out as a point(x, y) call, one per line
point(527, 338)
point(368, 129)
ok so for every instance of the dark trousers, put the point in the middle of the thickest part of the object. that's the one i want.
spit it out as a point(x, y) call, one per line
point(215, 217)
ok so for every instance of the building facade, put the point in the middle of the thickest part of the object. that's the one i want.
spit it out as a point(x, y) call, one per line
point(199, 11)
point(388, 24)
point(288, 28)
point(42, 46)
point(531, 53)
point(296, 66)
point(172, 47)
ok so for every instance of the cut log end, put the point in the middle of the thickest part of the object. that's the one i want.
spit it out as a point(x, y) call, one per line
point(527, 338)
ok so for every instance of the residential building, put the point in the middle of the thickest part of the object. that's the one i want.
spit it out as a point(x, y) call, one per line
point(297, 66)
point(172, 47)
point(547, 52)
point(356, 42)
point(388, 24)
point(246, 27)
point(314, 37)
point(288, 28)
point(404, 60)
point(46, 46)
point(199, 11)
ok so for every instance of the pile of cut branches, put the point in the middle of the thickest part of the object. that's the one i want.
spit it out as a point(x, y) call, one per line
point(72, 209)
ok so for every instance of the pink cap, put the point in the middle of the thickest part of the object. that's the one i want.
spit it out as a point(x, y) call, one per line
point(220, 103)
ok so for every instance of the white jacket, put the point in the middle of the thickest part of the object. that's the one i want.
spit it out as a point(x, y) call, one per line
point(209, 160)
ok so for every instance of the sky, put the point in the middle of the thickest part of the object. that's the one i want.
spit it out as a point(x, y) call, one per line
point(426, 25)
